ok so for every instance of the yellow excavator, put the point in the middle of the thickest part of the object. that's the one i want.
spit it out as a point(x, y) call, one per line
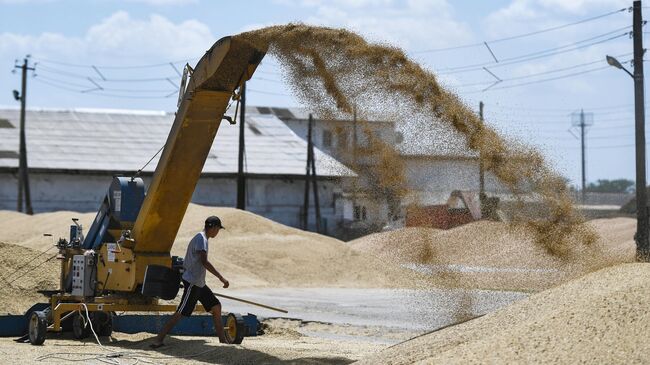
point(123, 262)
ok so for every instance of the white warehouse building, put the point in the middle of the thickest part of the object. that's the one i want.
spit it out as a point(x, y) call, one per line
point(73, 154)
point(436, 160)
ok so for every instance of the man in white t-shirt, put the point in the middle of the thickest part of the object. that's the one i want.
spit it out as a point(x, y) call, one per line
point(195, 265)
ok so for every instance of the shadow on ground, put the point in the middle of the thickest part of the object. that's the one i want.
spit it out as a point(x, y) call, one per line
point(199, 350)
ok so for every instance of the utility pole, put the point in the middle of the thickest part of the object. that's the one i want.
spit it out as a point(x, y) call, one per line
point(355, 186)
point(305, 208)
point(582, 120)
point(241, 179)
point(23, 175)
point(481, 172)
point(641, 237)
point(312, 160)
point(582, 148)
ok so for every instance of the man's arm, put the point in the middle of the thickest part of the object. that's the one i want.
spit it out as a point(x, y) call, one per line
point(208, 266)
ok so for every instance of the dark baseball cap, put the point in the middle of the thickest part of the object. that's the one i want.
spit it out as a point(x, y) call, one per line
point(213, 221)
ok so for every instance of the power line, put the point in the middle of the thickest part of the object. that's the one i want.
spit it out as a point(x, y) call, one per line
point(77, 65)
point(543, 80)
point(528, 57)
point(86, 77)
point(524, 34)
point(541, 73)
point(63, 87)
point(623, 106)
point(103, 88)
point(267, 92)
point(269, 80)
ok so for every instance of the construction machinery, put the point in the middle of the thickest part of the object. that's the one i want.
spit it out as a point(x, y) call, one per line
point(123, 263)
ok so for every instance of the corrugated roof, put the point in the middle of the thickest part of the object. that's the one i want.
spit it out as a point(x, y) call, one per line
point(421, 138)
point(118, 140)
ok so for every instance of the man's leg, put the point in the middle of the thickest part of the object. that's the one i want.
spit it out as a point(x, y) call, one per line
point(167, 327)
point(185, 308)
point(218, 324)
point(213, 305)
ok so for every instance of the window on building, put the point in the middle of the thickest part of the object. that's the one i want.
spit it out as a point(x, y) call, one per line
point(360, 213)
point(343, 140)
point(399, 137)
point(327, 138)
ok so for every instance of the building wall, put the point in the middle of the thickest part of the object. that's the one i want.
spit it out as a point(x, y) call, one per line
point(437, 178)
point(384, 130)
point(278, 199)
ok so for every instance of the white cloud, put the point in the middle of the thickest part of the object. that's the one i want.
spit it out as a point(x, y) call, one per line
point(122, 36)
point(522, 16)
point(582, 6)
point(415, 24)
point(117, 39)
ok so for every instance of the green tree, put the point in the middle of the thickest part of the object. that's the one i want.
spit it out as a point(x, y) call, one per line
point(611, 186)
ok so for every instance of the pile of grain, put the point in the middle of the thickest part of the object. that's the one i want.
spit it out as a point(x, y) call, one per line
point(252, 251)
point(483, 246)
point(599, 318)
point(22, 273)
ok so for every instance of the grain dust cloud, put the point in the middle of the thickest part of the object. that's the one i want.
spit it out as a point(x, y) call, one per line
point(337, 73)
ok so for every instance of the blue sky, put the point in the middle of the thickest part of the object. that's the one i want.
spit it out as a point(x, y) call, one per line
point(106, 33)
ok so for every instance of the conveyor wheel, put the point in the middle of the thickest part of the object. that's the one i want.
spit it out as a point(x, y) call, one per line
point(80, 327)
point(102, 323)
point(236, 328)
point(37, 328)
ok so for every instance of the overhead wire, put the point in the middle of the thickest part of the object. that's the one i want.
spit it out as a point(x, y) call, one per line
point(68, 64)
point(107, 79)
point(528, 34)
point(527, 57)
point(267, 92)
point(117, 92)
point(63, 87)
point(54, 80)
point(542, 80)
point(536, 108)
point(539, 73)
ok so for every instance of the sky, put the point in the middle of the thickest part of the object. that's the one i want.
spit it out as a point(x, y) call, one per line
point(547, 77)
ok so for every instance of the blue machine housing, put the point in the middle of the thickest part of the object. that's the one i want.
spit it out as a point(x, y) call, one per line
point(119, 210)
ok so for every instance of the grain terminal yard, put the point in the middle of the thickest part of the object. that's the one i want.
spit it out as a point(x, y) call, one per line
point(416, 228)
point(583, 307)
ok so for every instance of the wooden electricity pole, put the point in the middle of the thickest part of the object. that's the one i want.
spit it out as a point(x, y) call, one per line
point(641, 237)
point(312, 158)
point(23, 175)
point(481, 172)
point(582, 148)
point(305, 207)
point(310, 174)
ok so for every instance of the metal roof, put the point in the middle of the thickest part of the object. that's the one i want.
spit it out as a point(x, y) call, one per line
point(421, 138)
point(122, 140)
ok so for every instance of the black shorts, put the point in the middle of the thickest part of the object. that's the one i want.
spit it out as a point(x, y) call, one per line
point(193, 293)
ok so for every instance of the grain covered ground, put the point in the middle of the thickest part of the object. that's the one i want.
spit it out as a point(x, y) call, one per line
point(577, 321)
point(599, 318)
point(491, 255)
point(252, 252)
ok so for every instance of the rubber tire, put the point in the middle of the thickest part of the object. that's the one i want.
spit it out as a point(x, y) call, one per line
point(103, 323)
point(80, 328)
point(37, 328)
point(236, 328)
